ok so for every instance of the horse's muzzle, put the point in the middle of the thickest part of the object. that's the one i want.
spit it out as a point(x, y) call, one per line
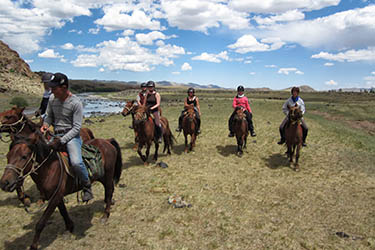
point(8, 185)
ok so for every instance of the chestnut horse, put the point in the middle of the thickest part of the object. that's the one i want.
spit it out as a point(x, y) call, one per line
point(130, 108)
point(293, 134)
point(16, 123)
point(32, 156)
point(189, 126)
point(240, 129)
point(145, 128)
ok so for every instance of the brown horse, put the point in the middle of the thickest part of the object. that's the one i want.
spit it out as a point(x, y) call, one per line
point(16, 123)
point(145, 128)
point(130, 108)
point(32, 156)
point(293, 134)
point(240, 129)
point(189, 126)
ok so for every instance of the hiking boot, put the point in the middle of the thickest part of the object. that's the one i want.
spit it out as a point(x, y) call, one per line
point(282, 141)
point(231, 134)
point(87, 193)
point(198, 131)
point(253, 134)
point(178, 129)
point(304, 144)
point(131, 127)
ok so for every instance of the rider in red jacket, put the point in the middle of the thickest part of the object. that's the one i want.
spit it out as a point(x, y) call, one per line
point(240, 100)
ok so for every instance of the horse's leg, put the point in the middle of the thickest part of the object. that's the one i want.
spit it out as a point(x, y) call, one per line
point(24, 198)
point(192, 142)
point(297, 157)
point(135, 140)
point(140, 146)
point(108, 190)
point(156, 151)
point(69, 224)
point(186, 143)
point(245, 141)
point(239, 146)
point(43, 220)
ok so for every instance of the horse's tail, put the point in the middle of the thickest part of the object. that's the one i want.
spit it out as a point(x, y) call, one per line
point(118, 166)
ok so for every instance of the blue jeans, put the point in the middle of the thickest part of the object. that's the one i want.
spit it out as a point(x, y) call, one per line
point(75, 156)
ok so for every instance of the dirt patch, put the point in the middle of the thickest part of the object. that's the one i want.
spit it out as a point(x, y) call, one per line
point(368, 126)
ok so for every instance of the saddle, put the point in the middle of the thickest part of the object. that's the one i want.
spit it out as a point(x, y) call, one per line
point(92, 159)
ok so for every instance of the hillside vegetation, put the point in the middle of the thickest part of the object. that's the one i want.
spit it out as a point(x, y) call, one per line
point(253, 202)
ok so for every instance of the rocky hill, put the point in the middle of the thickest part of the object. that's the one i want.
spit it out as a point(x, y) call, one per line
point(15, 73)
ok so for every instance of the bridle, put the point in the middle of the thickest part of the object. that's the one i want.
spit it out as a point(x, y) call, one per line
point(13, 128)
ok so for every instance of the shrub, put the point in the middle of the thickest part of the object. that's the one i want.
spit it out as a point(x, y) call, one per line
point(19, 102)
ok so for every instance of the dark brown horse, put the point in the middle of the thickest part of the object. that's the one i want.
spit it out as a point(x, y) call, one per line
point(240, 129)
point(32, 156)
point(293, 134)
point(16, 123)
point(145, 128)
point(189, 126)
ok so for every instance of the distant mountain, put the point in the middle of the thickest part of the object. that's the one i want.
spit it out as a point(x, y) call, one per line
point(15, 73)
point(258, 89)
point(303, 88)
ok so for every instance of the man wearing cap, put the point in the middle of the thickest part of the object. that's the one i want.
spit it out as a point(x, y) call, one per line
point(65, 113)
point(46, 77)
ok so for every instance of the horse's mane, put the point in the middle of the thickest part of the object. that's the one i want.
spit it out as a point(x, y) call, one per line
point(40, 147)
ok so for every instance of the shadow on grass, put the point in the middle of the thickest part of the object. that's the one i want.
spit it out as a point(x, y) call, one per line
point(132, 161)
point(277, 161)
point(227, 150)
point(179, 149)
point(129, 145)
point(81, 215)
point(13, 200)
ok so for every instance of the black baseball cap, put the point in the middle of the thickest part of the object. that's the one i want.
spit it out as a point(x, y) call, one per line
point(46, 77)
point(58, 79)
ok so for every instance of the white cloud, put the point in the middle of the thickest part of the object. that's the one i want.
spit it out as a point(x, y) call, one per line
point(270, 66)
point(370, 80)
point(292, 15)
point(349, 56)
point(186, 67)
point(215, 58)
point(94, 31)
point(286, 71)
point(125, 16)
point(29, 61)
point(247, 62)
point(277, 6)
point(200, 15)
point(252, 73)
point(331, 83)
point(170, 50)
point(101, 70)
point(334, 32)
point(123, 54)
point(328, 64)
point(176, 73)
point(79, 32)
point(148, 39)
point(67, 46)
point(49, 53)
point(248, 43)
point(373, 73)
point(128, 32)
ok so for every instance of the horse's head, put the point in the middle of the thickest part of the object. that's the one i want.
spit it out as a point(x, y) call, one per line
point(240, 114)
point(295, 113)
point(129, 108)
point(20, 159)
point(140, 114)
point(10, 119)
point(190, 113)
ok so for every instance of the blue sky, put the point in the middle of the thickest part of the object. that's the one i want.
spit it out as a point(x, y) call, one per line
point(326, 44)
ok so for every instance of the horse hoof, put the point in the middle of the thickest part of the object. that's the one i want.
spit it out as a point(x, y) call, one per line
point(296, 168)
point(27, 202)
point(104, 219)
point(145, 163)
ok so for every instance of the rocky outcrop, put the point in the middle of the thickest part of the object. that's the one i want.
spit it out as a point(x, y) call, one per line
point(15, 73)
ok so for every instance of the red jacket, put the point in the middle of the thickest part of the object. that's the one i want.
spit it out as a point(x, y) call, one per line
point(241, 102)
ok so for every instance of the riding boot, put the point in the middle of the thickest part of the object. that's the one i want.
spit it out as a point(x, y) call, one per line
point(87, 192)
point(230, 125)
point(159, 134)
point(304, 135)
point(179, 124)
point(198, 126)
point(282, 136)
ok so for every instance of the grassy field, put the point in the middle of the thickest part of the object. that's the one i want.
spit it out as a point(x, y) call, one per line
point(253, 202)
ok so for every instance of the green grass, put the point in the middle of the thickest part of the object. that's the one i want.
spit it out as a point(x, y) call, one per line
point(253, 202)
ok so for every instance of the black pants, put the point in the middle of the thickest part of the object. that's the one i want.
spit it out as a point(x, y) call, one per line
point(196, 116)
point(249, 119)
